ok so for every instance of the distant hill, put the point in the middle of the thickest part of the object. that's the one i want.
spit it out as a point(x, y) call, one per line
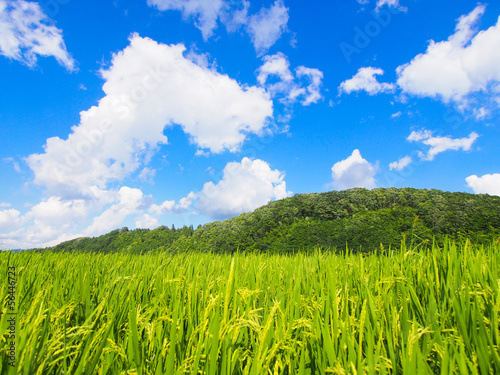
point(358, 218)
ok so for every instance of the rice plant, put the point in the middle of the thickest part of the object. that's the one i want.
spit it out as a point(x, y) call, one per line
point(427, 310)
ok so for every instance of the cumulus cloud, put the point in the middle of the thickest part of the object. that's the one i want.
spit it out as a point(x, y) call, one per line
point(440, 144)
point(129, 201)
point(354, 172)
point(365, 80)
point(277, 78)
point(147, 221)
point(266, 27)
point(450, 70)
point(46, 223)
point(186, 202)
point(10, 219)
point(57, 212)
point(27, 32)
point(148, 86)
point(170, 207)
point(165, 207)
point(244, 187)
point(51, 221)
point(487, 184)
point(57, 219)
point(400, 164)
point(275, 65)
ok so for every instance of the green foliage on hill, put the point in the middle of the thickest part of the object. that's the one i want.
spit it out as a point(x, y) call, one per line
point(135, 241)
point(358, 218)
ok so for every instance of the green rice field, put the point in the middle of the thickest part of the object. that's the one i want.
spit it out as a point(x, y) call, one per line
point(428, 310)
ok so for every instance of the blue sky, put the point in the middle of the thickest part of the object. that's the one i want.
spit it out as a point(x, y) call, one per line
point(159, 112)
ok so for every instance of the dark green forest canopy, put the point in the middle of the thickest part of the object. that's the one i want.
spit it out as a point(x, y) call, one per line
point(358, 218)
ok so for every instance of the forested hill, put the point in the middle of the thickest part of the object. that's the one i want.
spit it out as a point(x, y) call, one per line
point(360, 218)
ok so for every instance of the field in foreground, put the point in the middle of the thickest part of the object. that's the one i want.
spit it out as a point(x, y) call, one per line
point(422, 311)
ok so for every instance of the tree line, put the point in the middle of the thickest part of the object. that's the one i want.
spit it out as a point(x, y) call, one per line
point(360, 219)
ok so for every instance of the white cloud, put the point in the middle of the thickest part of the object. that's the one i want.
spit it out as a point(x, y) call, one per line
point(465, 63)
point(53, 220)
point(313, 90)
point(148, 86)
point(390, 3)
point(354, 172)
point(147, 175)
point(400, 164)
point(10, 219)
point(28, 230)
point(440, 144)
point(170, 207)
point(365, 80)
point(5, 204)
point(14, 163)
point(27, 32)
point(244, 187)
point(57, 219)
point(56, 212)
point(275, 75)
point(481, 113)
point(266, 27)
point(165, 207)
point(275, 65)
point(487, 184)
point(50, 222)
point(129, 201)
point(204, 12)
point(396, 115)
point(146, 222)
point(186, 202)
point(201, 153)
point(235, 14)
